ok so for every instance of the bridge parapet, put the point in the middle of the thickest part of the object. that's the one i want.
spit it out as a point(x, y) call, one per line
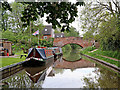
point(60, 42)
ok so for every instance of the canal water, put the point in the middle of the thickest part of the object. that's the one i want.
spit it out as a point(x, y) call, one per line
point(82, 73)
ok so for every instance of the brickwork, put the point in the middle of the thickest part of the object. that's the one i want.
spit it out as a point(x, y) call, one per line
point(48, 36)
point(60, 42)
point(7, 45)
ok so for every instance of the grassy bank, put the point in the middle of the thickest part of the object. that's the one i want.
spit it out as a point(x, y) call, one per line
point(5, 61)
point(98, 53)
point(113, 54)
point(9, 61)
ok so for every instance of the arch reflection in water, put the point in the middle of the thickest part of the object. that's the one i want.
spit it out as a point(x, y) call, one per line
point(72, 54)
point(73, 65)
point(72, 61)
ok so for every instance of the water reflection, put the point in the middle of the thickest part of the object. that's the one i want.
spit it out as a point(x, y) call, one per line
point(21, 80)
point(36, 73)
point(30, 77)
point(82, 74)
point(106, 79)
point(39, 73)
point(74, 65)
point(71, 55)
point(67, 78)
point(92, 77)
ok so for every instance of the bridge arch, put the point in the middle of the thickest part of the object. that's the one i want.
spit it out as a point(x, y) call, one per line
point(60, 42)
point(72, 43)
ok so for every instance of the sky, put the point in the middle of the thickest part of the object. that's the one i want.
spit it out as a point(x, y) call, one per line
point(75, 24)
point(9, 1)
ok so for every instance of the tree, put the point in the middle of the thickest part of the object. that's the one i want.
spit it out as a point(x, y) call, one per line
point(96, 13)
point(9, 35)
point(101, 22)
point(19, 35)
point(14, 22)
point(57, 30)
point(5, 7)
point(60, 14)
point(109, 35)
point(73, 33)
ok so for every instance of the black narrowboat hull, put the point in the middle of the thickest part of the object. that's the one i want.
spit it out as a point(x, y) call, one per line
point(34, 62)
point(40, 56)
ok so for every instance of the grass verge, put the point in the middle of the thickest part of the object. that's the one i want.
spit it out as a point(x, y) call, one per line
point(96, 54)
point(104, 59)
point(112, 54)
point(9, 61)
point(12, 60)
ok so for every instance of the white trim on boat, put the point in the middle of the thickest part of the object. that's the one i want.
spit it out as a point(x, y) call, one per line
point(39, 59)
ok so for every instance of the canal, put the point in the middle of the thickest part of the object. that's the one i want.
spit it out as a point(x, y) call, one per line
point(82, 73)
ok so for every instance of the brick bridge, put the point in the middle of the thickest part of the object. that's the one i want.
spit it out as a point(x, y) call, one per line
point(60, 42)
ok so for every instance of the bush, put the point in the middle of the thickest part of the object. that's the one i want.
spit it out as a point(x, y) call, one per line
point(63, 49)
point(67, 48)
point(85, 50)
point(13, 52)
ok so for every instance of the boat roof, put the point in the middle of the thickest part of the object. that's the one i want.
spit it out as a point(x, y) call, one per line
point(39, 53)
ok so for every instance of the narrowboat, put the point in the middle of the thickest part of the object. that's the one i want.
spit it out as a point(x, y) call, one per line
point(39, 73)
point(41, 56)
